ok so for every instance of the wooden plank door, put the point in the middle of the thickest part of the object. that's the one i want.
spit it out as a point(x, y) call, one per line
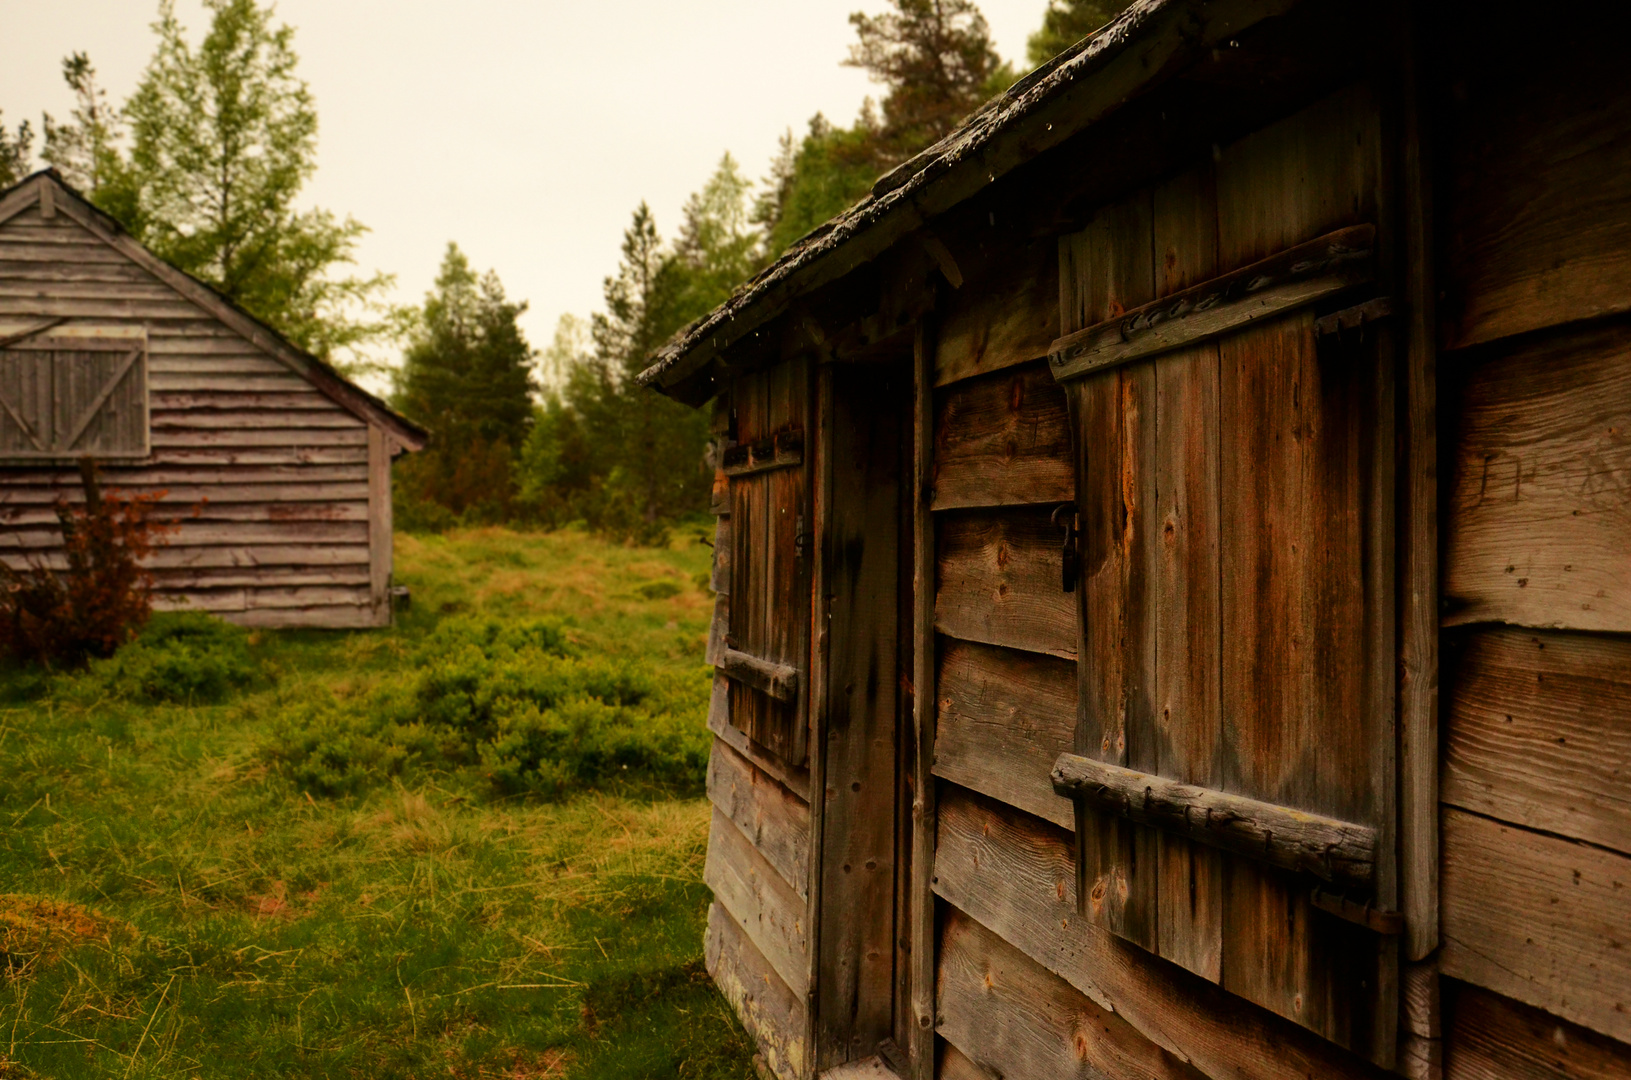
point(766, 653)
point(1234, 503)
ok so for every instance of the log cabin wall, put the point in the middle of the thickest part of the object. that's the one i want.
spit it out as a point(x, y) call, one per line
point(1533, 143)
point(283, 495)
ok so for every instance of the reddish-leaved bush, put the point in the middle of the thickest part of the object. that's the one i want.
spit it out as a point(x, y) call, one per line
point(63, 617)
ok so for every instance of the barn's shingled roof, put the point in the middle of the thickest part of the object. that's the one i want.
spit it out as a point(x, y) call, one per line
point(1041, 110)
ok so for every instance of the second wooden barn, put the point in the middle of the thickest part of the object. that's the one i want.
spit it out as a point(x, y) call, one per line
point(1175, 569)
point(278, 468)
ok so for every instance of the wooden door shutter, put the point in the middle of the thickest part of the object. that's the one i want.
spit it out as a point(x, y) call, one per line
point(73, 391)
point(765, 655)
point(1234, 762)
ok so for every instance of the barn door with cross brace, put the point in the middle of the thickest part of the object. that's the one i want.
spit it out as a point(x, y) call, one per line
point(1234, 452)
point(765, 655)
point(73, 391)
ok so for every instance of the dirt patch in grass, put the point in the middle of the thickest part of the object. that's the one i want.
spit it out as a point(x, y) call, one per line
point(36, 929)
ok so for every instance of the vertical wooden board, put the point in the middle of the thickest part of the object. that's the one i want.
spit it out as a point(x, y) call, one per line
point(1538, 732)
point(918, 1015)
point(1002, 440)
point(769, 1010)
point(773, 819)
point(1538, 918)
point(1540, 501)
point(1004, 717)
point(1490, 1037)
point(998, 580)
point(1296, 727)
point(1187, 720)
point(767, 909)
point(1015, 875)
point(855, 986)
point(380, 529)
point(1008, 315)
point(1536, 150)
point(1013, 1017)
point(1309, 174)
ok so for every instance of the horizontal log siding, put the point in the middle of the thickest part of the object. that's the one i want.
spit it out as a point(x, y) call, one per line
point(268, 475)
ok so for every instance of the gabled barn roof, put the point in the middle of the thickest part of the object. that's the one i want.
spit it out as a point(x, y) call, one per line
point(49, 185)
point(1063, 97)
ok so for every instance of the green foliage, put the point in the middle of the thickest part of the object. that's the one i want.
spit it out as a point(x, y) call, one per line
point(182, 657)
point(604, 450)
point(86, 149)
point(172, 906)
point(938, 62)
point(822, 175)
point(1068, 21)
point(467, 377)
point(15, 150)
point(223, 138)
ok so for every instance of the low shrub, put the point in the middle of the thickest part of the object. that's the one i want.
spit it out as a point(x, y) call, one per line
point(185, 657)
point(514, 704)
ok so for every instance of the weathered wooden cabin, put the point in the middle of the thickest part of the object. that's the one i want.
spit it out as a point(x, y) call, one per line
point(278, 469)
point(1175, 568)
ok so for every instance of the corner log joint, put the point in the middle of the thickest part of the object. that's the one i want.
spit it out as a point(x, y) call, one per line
point(1338, 852)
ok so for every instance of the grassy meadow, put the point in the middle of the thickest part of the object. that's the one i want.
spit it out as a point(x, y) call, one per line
point(467, 846)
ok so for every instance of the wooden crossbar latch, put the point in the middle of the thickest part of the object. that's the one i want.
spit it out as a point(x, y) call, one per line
point(781, 452)
point(1284, 282)
point(1339, 852)
point(780, 681)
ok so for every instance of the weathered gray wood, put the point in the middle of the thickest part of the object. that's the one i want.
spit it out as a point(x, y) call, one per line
point(1539, 919)
point(775, 821)
point(1336, 851)
point(1540, 496)
point(1013, 1017)
point(999, 581)
point(1002, 440)
point(1494, 1038)
point(921, 1021)
point(1004, 718)
point(1016, 875)
point(767, 909)
point(796, 780)
point(1265, 290)
point(1538, 733)
point(779, 681)
point(768, 1009)
point(380, 528)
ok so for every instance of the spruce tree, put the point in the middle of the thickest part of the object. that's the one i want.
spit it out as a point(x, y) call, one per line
point(15, 151)
point(1068, 21)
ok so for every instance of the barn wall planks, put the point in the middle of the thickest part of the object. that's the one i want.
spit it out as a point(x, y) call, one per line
point(277, 472)
point(997, 581)
point(1004, 718)
point(1001, 440)
point(1013, 1017)
point(1006, 317)
point(775, 1016)
point(1015, 875)
point(1490, 1037)
point(1537, 918)
point(1540, 496)
point(1538, 732)
point(774, 820)
point(759, 901)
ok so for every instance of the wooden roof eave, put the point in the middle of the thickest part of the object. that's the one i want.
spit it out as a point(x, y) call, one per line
point(355, 400)
point(1148, 43)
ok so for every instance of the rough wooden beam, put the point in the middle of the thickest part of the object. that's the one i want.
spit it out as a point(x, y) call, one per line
point(1292, 279)
point(1336, 851)
point(784, 451)
point(780, 681)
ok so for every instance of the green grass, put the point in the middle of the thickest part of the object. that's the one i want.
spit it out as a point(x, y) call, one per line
point(182, 893)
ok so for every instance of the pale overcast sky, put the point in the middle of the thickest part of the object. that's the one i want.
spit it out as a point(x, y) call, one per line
point(525, 131)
